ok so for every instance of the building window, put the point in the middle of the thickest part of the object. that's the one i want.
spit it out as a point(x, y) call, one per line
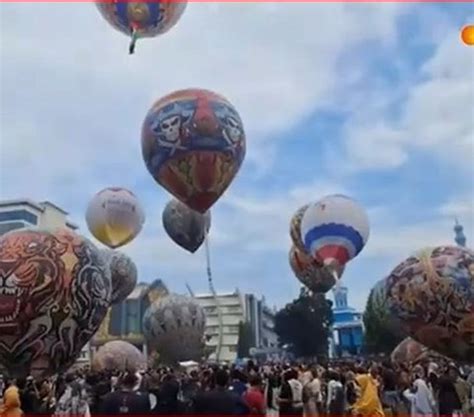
point(18, 215)
point(133, 316)
point(231, 329)
point(7, 227)
point(233, 348)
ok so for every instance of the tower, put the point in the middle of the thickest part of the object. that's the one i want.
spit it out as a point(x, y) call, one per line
point(459, 238)
point(340, 296)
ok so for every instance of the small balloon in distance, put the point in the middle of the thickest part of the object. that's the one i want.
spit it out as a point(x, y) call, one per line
point(115, 217)
point(186, 227)
point(311, 273)
point(295, 228)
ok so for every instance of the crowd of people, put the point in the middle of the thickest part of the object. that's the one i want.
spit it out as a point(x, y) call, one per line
point(337, 389)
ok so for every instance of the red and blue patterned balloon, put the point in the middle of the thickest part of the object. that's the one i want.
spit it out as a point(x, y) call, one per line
point(143, 19)
point(193, 144)
point(335, 230)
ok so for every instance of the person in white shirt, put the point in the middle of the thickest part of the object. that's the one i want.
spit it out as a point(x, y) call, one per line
point(421, 398)
point(312, 395)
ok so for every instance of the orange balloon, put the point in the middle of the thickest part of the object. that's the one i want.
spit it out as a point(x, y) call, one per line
point(467, 35)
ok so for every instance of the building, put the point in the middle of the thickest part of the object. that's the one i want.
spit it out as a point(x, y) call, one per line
point(124, 321)
point(347, 328)
point(18, 214)
point(232, 309)
point(236, 308)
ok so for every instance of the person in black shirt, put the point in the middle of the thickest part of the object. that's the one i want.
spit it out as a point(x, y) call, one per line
point(126, 401)
point(220, 401)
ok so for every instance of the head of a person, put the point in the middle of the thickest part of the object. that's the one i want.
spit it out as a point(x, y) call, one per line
point(70, 378)
point(374, 370)
point(350, 376)
point(221, 378)
point(129, 380)
point(333, 376)
point(255, 381)
point(453, 373)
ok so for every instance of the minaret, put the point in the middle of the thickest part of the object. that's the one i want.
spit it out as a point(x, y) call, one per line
point(460, 238)
point(340, 296)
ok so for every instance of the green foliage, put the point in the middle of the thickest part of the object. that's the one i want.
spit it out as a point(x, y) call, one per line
point(246, 339)
point(380, 332)
point(304, 324)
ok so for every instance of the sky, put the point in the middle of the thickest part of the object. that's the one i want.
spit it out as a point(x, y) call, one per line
point(375, 101)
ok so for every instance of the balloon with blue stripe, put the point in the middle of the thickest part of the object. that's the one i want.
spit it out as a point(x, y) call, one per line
point(334, 230)
point(141, 19)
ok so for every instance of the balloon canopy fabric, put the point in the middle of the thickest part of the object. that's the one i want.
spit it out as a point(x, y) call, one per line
point(114, 216)
point(409, 351)
point(174, 325)
point(54, 293)
point(186, 227)
point(431, 294)
point(295, 228)
point(145, 19)
point(123, 273)
point(119, 356)
point(312, 274)
point(193, 144)
point(335, 229)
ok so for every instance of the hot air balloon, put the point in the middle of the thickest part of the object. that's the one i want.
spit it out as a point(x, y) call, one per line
point(119, 355)
point(312, 274)
point(54, 292)
point(144, 19)
point(295, 228)
point(174, 325)
point(193, 144)
point(334, 230)
point(123, 273)
point(431, 294)
point(410, 351)
point(115, 217)
point(184, 226)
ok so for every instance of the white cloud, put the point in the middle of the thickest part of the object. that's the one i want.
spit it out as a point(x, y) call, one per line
point(72, 104)
point(81, 94)
point(437, 115)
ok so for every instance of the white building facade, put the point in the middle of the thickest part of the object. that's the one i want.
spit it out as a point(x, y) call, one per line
point(232, 310)
point(18, 214)
point(236, 308)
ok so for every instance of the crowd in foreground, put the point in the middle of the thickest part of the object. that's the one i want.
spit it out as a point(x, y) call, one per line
point(338, 389)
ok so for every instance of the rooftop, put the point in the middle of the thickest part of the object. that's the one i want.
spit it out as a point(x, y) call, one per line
point(37, 206)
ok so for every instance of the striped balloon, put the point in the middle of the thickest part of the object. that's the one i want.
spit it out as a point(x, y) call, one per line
point(335, 229)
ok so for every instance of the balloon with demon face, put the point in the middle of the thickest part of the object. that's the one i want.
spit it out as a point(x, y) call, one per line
point(55, 289)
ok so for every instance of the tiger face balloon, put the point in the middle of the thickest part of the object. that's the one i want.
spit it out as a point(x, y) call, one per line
point(54, 292)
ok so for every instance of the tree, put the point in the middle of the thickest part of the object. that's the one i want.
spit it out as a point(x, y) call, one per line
point(380, 333)
point(304, 325)
point(246, 339)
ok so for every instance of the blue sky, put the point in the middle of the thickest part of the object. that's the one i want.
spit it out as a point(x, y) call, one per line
point(372, 100)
